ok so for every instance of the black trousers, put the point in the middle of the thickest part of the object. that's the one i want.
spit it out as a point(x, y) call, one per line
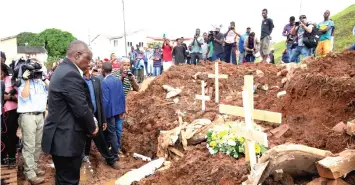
point(101, 145)
point(67, 170)
point(9, 125)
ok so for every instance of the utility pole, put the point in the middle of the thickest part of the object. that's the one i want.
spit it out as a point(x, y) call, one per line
point(124, 27)
point(300, 8)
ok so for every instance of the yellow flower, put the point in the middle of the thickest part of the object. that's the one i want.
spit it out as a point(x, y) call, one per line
point(222, 133)
point(213, 144)
point(213, 136)
point(241, 139)
point(257, 149)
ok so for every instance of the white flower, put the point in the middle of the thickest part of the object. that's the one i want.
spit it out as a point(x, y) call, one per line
point(232, 142)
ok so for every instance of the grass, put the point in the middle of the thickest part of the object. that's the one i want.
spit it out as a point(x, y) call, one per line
point(344, 22)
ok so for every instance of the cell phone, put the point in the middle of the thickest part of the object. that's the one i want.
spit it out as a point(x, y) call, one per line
point(297, 23)
point(129, 74)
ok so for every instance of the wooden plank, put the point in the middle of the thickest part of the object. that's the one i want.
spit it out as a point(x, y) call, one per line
point(261, 115)
point(249, 143)
point(220, 76)
point(202, 97)
point(247, 133)
point(9, 176)
point(176, 151)
point(336, 167)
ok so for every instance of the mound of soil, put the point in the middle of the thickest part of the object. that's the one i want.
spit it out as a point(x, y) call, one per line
point(198, 167)
point(149, 111)
point(317, 99)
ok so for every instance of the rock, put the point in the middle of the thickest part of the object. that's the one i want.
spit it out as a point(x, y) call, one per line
point(275, 87)
point(284, 80)
point(282, 93)
point(259, 73)
point(337, 182)
point(340, 127)
point(265, 87)
point(293, 159)
point(350, 128)
point(148, 127)
point(196, 75)
point(338, 166)
point(279, 131)
point(318, 181)
point(176, 100)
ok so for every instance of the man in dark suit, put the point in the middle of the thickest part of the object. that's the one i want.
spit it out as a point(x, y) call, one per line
point(95, 90)
point(70, 119)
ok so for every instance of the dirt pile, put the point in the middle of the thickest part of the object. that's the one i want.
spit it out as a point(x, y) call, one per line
point(198, 167)
point(150, 111)
point(317, 99)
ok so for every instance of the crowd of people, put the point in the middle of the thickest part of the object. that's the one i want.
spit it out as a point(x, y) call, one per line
point(86, 99)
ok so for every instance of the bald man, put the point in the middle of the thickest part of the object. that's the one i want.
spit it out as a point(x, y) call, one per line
point(70, 118)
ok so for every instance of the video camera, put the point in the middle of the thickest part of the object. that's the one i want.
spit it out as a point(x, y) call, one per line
point(211, 35)
point(22, 65)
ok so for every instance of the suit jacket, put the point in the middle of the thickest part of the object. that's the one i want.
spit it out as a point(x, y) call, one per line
point(99, 106)
point(70, 118)
point(114, 100)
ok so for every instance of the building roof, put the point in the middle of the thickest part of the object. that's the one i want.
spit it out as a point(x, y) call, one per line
point(162, 39)
point(8, 38)
point(31, 49)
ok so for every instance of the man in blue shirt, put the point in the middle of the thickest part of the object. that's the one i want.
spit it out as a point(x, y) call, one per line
point(114, 105)
point(32, 102)
point(241, 46)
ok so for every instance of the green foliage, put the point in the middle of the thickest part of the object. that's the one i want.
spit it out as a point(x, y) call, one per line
point(154, 44)
point(222, 138)
point(51, 61)
point(344, 23)
point(32, 39)
point(56, 41)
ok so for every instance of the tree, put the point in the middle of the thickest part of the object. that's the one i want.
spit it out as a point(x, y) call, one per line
point(56, 41)
point(30, 39)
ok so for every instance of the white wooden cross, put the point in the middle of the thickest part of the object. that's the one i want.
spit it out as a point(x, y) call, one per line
point(216, 76)
point(249, 113)
point(202, 96)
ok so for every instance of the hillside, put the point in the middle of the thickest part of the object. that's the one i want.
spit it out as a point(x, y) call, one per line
point(344, 22)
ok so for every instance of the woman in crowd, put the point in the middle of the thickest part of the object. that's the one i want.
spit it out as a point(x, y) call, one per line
point(115, 63)
point(251, 45)
point(10, 123)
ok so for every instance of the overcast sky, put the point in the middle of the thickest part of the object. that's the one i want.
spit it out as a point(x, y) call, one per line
point(173, 17)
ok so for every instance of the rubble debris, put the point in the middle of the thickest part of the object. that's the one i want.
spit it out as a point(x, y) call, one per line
point(140, 173)
point(293, 159)
point(259, 73)
point(144, 158)
point(280, 130)
point(340, 127)
point(280, 94)
point(172, 92)
point(338, 166)
point(350, 128)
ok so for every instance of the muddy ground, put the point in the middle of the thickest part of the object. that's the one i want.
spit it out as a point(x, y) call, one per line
point(317, 99)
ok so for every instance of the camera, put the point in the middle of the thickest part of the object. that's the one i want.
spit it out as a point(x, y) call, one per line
point(22, 65)
point(211, 35)
point(297, 23)
point(129, 73)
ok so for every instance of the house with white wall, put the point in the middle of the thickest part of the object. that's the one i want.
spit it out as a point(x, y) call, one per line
point(103, 45)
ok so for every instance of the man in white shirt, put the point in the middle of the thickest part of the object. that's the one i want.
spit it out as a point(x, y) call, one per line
point(196, 44)
point(230, 44)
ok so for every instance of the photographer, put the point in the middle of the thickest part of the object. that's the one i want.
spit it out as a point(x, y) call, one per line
point(196, 53)
point(9, 123)
point(302, 29)
point(290, 39)
point(218, 40)
point(32, 103)
point(230, 44)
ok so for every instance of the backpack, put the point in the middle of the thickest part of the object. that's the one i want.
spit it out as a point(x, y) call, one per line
point(310, 40)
